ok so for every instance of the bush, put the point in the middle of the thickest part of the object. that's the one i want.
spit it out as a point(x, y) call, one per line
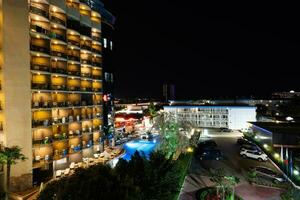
point(137, 179)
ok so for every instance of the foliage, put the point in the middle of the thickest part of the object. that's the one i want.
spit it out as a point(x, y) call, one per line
point(10, 156)
point(291, 194)
point(137, 179)
point(173, 141)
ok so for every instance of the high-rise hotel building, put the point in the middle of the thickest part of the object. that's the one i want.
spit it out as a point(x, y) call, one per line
point(53, 78)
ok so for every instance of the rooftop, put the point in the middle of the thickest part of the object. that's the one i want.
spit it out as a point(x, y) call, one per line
point(280, 127)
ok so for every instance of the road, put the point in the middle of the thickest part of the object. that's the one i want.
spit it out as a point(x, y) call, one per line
point(232, 163)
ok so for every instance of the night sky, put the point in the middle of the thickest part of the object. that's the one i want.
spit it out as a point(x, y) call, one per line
point(205, 50)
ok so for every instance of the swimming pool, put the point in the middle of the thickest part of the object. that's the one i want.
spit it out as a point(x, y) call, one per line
point(144, 147)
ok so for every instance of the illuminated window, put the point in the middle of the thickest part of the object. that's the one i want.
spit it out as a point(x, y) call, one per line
point(111, 45)
point(105, 42)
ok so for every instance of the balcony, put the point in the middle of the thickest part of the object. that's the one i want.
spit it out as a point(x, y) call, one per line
point(58, 36)
point(74, 145)
point(73, 54)
point(40, 63)
point(37, 123)
point(57, 20)
point(60, 149)
point(39, 11)
point(73, 84)
point(59, 54)
point(39, 29)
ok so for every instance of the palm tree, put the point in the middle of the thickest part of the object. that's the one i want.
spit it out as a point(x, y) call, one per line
point(217, 176)
point(10, 156)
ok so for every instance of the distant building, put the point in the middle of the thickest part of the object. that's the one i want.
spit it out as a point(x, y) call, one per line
point(232, 117)
point(285, 95)
point(169, 92)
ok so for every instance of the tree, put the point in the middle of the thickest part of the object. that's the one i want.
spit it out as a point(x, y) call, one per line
point(10, 156)
point(232, 182)
point(217, 176)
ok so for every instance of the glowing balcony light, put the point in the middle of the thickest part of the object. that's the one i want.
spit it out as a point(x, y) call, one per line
point(54, 9)
point(296, 172)
point(276, 155)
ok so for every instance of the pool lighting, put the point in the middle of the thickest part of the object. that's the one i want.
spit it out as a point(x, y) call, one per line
point(189, 149)
point(276, 155)
point(296, 172)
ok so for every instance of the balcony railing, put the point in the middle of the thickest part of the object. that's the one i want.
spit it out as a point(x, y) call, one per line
point(86, 47)
point(63, 120)
point(86, 62)
point(74, 73)
point(58, 36)
point(86, 75)
point(58, 70)
point(99, 77)
point(59, 104)
point(97, 102)
point(97, 89)
point(44, 104)
point(76, 43)
point(87, 89)
point(75, 58)
point(58, 87)
point(96, 38)
point(97, 51)
point(40, 86)
point(57, 20)
point(36, 123)
point(39, 11)
point(39, 29)
point(40, 49)
point(86, 103)
point(59, 54)
point(73, 88)
point(39, 67)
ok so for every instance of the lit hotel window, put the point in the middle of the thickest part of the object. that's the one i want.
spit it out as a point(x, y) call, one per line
point(111, 45)
point(105, 42)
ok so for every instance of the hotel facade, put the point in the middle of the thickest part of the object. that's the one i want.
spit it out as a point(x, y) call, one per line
point(231, 117)
point(53, 75)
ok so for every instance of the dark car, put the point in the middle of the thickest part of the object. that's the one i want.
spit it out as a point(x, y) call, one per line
point(211, 154)
point(242, 141)
point(208, 144)
point(226, 130)
point(268, 173)
point(250, 147)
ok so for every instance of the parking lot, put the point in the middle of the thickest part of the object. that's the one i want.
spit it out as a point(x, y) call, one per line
point(232, 163)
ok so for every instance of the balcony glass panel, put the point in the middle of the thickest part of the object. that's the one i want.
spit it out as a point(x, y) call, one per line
point(41, 100)
point(60, 149)
point(42, 136)
point(97, 99)
point(40, 63)
point(59, 18)
point(41, 118)
point(74, 54)
point(73, 84)
point(87, 140)
point(74, 100)
point(97, 73)
point(58, 66)
point(59, 99)
point(73, 69)
point(40, 45)
point(39, 9)
point(97, 86)
point(86, 85)
point(74, 129)
point(40, 81)
point(74, 145)
point(58, 83)
point(58, 33)
point(60, 116)
point(42, 154)
point(59, 50)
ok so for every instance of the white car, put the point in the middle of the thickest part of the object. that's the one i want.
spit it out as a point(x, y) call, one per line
point(257, 155)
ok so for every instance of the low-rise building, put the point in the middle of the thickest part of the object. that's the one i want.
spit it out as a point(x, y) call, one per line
point(232, 117)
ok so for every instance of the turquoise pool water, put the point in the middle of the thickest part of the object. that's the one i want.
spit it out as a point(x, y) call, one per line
point(144, 147)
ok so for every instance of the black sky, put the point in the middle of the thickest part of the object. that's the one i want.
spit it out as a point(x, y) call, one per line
point(205, 50)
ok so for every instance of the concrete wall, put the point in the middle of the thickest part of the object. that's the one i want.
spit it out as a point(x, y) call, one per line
point(16, 86)
point(238, 117)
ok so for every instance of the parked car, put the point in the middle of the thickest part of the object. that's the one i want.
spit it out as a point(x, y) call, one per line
point(257, 155)
point(242, 141)
point(210, 154)
point(269, 173)
point(208, 144)
point(250, 147)
point(227, 130)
